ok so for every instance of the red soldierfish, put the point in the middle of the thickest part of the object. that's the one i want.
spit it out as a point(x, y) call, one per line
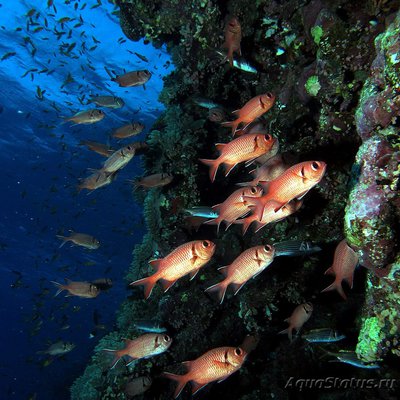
point(345, 261)
point(233, 36)
point(133, 78)
point(185, 259)
point(145, 346)
point(270, 215)
point(215, 365)
point(294, 183)
point(252, 110)
point(248, 265)
point(244, 148)
point(234, 206)
point(299, 317)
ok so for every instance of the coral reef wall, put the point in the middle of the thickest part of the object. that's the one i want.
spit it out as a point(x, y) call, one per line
point(334, 68)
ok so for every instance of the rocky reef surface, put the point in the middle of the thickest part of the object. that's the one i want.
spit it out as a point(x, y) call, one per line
point(334, 68)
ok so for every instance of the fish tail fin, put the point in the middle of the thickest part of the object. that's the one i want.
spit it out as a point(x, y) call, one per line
point(213, 164)
point(63, 238)
point(220, 289)
point(60, 287)
point(148, 284)
point(117, 357)
point(336, 285)
point(181, 379)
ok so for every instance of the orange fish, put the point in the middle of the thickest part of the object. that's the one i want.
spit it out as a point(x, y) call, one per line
point(152, 181)
point(252, 110)
point(345, 261)
point(244, 148)
point(97, 180)
point(267, 172)
point(132, 129)
point(98, 148)
point(270, 215)
point(185, 259)
point(79, 289)
point(215, 365)
point(234, 206)
point(233, 36)
point(295, 182)
point(248, 265)
point(145, 346)
point(133, 78)
point(299, 317)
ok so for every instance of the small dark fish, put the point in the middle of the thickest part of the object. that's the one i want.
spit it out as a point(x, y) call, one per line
point(143, 58)
point(324, 335)
point(295, 248)
point(149, 325)
point(103, 283)
point(137, 386)
point(8, 55)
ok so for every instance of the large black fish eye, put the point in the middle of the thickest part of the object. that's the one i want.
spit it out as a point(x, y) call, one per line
point(253, 190)
point(167, 338)
point(315, 166)
point(238, 351)
point(269, 95)
point(205, 243)
point(268, 137)
point(267, 247)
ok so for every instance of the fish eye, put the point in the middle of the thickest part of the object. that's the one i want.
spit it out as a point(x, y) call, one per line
point(205, 243)
point(238, 351)
point(253, 190)
point(269, 95)
point(268, 137)
point(267, 247)
point(167, 338)
point(315, 166)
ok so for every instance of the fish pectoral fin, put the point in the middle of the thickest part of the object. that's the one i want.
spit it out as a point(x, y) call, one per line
point(197, 386)
point(166, 284)
point(194, 273)
point(302, 195)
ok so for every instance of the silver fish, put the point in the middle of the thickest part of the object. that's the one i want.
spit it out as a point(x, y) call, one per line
point(202, 211)
point(107, 101)
point(350, 357)
point(324, 335)
point(205, 103)
point(238, 62)
point(149, 325)
point(294, 248)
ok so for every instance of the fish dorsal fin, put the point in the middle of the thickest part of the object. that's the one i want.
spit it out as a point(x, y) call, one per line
point(330, 271)
point(224, 270)
point(188, 365)
point(156, 264)
point(220, 146)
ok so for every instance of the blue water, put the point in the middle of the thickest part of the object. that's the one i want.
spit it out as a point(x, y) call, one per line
point(41, 164)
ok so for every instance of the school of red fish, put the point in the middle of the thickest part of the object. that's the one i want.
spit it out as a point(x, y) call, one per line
point(276, 191)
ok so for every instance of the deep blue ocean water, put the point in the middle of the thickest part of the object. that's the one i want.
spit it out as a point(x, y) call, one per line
point(41, 163)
